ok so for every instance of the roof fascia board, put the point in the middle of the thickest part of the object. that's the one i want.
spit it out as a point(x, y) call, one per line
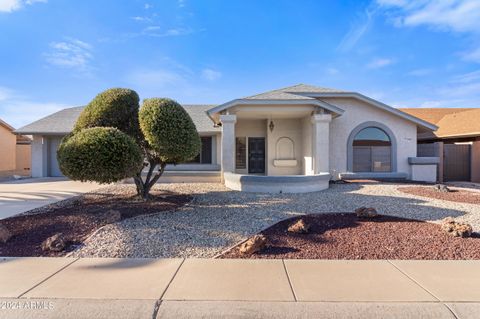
point(230, 104)
point(378, 104)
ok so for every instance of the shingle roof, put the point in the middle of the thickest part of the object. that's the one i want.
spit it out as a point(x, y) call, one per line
point(198, 113)
point(451, 122)
point(62, 122)
point(288, 93)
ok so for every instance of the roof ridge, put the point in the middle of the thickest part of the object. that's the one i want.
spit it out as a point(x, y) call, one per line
point(272, 91)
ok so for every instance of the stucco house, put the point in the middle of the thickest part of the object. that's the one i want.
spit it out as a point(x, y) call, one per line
point(294, 139)
point(14, 152)
point(456, 142)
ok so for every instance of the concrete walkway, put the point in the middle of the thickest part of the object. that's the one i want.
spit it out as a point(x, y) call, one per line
point(23, 195)
point(208, 288)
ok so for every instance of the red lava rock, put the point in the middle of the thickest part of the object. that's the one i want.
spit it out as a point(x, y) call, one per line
point(460, 196)
point(345, 236)
point(253, 245)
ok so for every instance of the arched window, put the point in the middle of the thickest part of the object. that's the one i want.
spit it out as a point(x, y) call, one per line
point(372, 151)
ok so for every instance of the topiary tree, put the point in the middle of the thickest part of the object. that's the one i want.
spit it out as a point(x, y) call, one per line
point(101, 154)
point(100, 146)
point(171, 137)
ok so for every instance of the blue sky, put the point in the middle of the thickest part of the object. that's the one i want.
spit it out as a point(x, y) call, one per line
point(55, 53)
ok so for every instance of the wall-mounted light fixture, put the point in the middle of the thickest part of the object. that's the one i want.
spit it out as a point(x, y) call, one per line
point(271, 126)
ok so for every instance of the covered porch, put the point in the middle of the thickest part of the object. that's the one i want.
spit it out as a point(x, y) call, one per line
point(276, 147)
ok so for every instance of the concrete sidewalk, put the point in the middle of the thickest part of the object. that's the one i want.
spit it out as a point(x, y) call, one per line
point(215, 288)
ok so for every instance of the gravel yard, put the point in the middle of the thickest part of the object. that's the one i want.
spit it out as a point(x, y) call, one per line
point(217, 218)
point(345, 236)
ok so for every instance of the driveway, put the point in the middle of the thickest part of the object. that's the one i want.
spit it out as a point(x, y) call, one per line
point(23, 195)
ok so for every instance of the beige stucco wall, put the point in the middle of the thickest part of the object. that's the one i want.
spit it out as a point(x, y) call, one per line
point(23, 159)
point(7, 154)
point(291, 129)
point(358, 112)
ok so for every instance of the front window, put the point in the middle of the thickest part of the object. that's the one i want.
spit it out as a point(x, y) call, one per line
point(241, 153)
point(372, 151)
point(205, 155)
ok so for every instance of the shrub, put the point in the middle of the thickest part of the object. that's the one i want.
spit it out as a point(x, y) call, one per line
point(169, 130)
point(101, 154)
point(116, 108)
point(113, 139)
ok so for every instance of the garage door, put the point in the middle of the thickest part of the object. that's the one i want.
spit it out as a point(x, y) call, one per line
point(53, 167)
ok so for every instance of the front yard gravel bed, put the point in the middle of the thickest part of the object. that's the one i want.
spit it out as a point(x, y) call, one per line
point(345, 236)
point(217, 218)
point(78, 217)
point(455, 195)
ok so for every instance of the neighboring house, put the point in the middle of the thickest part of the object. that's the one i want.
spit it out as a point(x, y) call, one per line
point(14, 152)
point(293, 139)
point(456, 142)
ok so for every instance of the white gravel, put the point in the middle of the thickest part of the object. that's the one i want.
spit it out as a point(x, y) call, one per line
point(217, 218)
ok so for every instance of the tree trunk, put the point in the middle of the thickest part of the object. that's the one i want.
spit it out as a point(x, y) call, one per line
point(144, 186)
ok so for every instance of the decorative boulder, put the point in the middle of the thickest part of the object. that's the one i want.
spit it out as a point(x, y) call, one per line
point(456, 229)
point(299, 227)
point(366, 212)
point(55, 243)
point(253, 245)
point(442, 188)
point(5, 234)
point(111, 216)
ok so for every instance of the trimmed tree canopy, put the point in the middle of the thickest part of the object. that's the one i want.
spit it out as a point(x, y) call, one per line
point(116, 108)
point(169, 130)
point(101, 154)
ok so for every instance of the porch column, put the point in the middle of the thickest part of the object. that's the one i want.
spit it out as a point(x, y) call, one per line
point(321, 141)
point(228, 142)
point(39, 156)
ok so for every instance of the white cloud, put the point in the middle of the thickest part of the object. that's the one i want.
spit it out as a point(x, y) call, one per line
point(473, 55)
point(71, 53)
point(357, 30)
point(18, 110)
point(211, 75)
point(454, 15)
point(156, 31)
point(147, 6)
point(142, 19)
point(12, 5)
point(461, 16)
point(467, 77)
point(181, 3)
point(379, 63)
